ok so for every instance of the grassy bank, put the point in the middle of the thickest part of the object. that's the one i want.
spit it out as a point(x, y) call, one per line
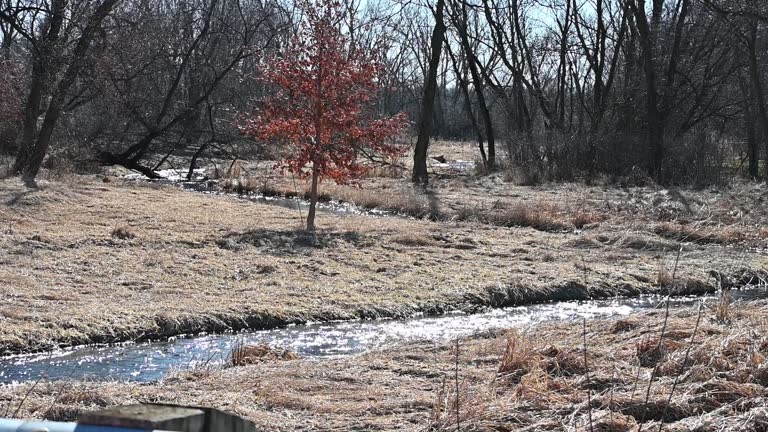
point(728, 215)
point(695, 370)
point(84, 261)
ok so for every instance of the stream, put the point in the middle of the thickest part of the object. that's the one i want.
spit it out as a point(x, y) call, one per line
point(200, 184)
point(150, 361)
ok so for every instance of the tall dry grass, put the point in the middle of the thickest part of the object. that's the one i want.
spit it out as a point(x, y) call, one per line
point(654, 373)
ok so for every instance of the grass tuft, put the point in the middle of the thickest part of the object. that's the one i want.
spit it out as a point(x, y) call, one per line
point(723, 309)
point(584, 218)
point(704, 235)
point(122, 233)
point(518, 358)
point(539, 216)
point(243, 355)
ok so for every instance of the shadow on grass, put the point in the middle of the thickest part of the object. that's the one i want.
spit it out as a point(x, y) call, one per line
point(18, 196)
point(289, 242)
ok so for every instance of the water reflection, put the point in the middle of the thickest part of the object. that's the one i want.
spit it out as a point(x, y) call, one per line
point(150, 361)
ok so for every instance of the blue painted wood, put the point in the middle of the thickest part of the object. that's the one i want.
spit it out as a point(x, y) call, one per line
point(7, 425)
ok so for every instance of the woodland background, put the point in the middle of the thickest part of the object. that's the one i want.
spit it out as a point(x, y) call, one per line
point(671, 91)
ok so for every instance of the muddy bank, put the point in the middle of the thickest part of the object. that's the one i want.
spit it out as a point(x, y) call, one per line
point(91, 262)
point(697, 370)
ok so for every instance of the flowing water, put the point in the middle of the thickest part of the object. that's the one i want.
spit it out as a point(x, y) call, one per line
point(301, 205)
point(199, 184)
point(150, 361)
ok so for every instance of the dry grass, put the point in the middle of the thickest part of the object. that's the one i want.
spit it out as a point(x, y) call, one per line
point(211, 263)
point(739, 204)
point(527, 380)
point(723, 311)
point(243, 355)
point(719, 370)
point(407, 202)
point(703, 235)
point(732, 215)
point(518, 357)
point(414, 240)
point(583, 218)
point(540, 216)
point(122, 233)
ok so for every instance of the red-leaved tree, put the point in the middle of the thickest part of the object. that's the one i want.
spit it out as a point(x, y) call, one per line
point(321, 108)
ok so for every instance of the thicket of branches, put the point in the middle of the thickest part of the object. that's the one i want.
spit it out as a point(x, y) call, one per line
point(674, 90)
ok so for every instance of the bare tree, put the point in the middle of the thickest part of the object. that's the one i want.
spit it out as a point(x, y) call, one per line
point(420, 174)
point(54, 68)
point(212, 45)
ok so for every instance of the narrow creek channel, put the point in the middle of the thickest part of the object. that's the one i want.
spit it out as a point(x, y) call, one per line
point(151, 361)
point(144, 362)
point(300, 205)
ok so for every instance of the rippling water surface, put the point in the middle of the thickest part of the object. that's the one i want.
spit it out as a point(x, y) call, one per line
point(151, 361)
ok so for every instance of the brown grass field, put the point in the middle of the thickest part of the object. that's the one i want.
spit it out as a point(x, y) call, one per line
point(702, 371)
point(86, 261)
point(98, 259)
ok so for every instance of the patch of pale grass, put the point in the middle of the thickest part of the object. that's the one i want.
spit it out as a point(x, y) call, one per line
point(242, 354)
point(540, 216)
point(701, 235)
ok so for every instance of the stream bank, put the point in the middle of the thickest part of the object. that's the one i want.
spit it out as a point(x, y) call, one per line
point(527, 379)
point(150, 361)
point(89, 262)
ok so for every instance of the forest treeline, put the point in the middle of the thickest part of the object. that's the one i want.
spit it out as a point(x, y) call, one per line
point(672, 90)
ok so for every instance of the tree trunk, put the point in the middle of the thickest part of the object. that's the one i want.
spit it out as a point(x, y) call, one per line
point(489, 135)
point(438, 114)
point(654, 118)
point(562, 70)
point(42, 65)
point(758, 92)
point(35, 159)
point(312, 200)
point(477, 82)
point(5, 44)
point(30, 160)
point(193, 161)
point(428, 101)
point(753, 149)
point(31, 113)
point(8, 133)
point(461, 77)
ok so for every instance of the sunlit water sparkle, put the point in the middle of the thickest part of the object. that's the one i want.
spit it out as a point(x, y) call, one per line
point(150, 361)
